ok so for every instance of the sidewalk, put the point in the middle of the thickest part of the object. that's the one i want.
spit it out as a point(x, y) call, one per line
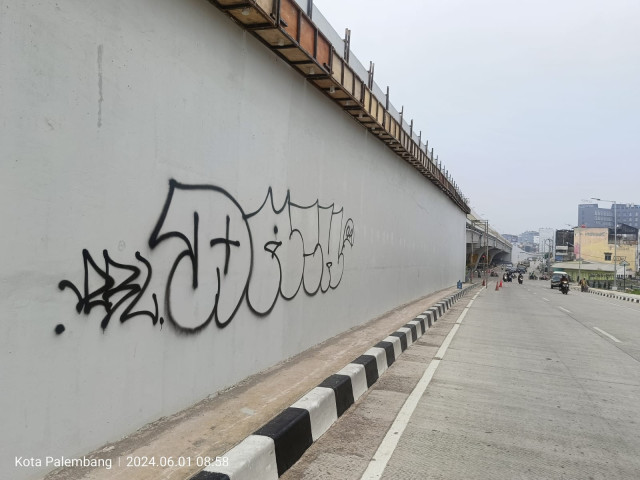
point(180, 445)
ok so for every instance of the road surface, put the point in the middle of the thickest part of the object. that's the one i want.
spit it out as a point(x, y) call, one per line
point(533, 384)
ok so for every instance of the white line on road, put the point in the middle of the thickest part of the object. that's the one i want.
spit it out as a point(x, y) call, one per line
point(607, 334)
point(390, 442)
point(545, 299)
point(564, 310)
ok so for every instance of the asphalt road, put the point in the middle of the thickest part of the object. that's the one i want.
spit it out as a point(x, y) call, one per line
point(533, 385)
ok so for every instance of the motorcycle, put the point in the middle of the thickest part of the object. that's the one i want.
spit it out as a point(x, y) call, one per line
point(564, 287)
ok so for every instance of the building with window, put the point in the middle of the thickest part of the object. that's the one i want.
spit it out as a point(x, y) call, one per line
point(564, 245)
point(596, 246)
point(591, 215)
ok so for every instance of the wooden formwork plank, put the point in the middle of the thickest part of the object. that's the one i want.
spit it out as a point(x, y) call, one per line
point(289, 13)
point(266, 5)
point(381, 113)
point(293, 54)
point(307, 36)
point(367, 100)
point(274, 37)
point(249, 16)
point(337, 65)
point(324, 83)
point(323, 51)
point(308, 68)
point(358, 88)
point(348, 79)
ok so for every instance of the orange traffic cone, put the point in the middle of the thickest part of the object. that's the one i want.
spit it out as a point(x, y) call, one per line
point(497, 288)
point(483, 283)
point(500, 283)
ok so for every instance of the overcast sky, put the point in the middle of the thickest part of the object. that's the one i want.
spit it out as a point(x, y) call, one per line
point(532, 106)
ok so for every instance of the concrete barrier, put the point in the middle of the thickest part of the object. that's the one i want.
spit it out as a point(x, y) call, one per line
point(627, 297)
point(295, 429)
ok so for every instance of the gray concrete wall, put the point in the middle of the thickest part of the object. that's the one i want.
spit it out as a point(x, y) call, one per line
point(121, 123)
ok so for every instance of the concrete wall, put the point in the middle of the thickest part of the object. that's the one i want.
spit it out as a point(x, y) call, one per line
point(171, 194)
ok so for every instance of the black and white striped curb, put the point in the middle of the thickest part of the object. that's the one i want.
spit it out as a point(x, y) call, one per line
point(279, 444)
point(619, 296)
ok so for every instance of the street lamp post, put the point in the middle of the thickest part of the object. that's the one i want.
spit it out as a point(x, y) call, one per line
point(615, 241)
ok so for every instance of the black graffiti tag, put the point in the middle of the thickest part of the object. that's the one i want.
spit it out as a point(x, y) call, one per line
point(221, 254)
point(213, 268)
point(105, 294)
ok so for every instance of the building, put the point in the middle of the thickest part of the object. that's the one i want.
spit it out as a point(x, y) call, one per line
point(564, 245)
point(591, 215)
point(513, 239)
point(628, 214)
point(528, 237)
point(597, 274)
point(597, 246)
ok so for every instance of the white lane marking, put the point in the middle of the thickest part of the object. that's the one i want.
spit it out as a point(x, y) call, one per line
point(545, 299)
point(462, 315)
point(607, 334)
point(564, 309)
point(390, 442)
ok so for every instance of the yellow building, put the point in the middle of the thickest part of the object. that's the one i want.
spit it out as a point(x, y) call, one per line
point(596, 245)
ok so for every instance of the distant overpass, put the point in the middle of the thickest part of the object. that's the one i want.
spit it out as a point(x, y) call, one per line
point(484, 242)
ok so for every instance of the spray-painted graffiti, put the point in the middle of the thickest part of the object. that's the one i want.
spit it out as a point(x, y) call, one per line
point(110, 294)
point(222, 255)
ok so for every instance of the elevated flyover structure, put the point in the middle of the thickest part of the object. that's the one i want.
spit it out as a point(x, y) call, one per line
point(485, 246)
point(298, 33)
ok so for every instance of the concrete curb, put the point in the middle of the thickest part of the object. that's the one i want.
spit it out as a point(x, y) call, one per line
point(279, 444)
point(619, 296)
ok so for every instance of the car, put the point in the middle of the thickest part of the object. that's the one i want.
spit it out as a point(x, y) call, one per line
point(555, 278)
